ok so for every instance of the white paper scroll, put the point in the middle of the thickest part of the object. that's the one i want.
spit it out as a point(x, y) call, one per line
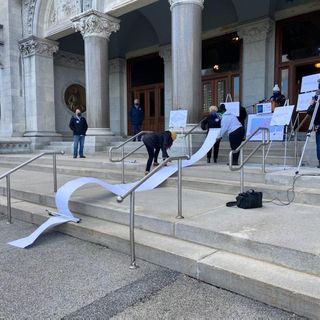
point(310, 83)
point(281, 116)
point(233, 107)
point(304, 100)
point(64, 193)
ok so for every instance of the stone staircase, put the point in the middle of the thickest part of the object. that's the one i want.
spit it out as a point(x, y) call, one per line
point(271, 254)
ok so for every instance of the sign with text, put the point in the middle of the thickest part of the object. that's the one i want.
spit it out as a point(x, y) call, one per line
point(264, 107)
point(256, 121)
point(304, 100)
point(178, 118)
point(233, 107)
point(282, 116)
point(310, 83)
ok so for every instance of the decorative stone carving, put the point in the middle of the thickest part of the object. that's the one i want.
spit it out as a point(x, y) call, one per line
point(256, 32)
point(69, 59)
point(175, 2)
point(63, 10)
point(29, 7)
point(117, 65)
point(94, 23)
point(165, 53)
point(34, 45)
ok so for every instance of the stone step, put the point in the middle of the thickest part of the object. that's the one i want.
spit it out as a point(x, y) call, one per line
point(281, 287)
point(263, 233)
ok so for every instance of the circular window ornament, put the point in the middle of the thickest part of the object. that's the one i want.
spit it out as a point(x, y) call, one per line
point(75, 98)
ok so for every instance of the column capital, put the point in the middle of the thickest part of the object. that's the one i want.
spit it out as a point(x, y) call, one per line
point(176, 2)
point(33, 45)
point(165, 53)
point(254, 32)
point(95, 23)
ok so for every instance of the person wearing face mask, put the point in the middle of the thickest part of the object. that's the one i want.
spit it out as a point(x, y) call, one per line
point(277, 98)
point(136, 115)
point(78, 125)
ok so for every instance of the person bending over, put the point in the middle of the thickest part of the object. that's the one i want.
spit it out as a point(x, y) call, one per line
point(156, 141)
point(232, 126)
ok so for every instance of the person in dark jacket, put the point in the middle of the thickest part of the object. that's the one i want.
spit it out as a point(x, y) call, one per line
point(242, 116)
point(79, 126)
point(277, 97)
point(156, 141)
point(136, 115)
point(212, 121)
point(316, 125)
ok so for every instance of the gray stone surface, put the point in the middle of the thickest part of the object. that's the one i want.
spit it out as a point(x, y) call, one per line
point(63, 277)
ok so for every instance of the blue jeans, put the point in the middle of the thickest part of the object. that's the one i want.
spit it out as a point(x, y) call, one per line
point(318, 144)
point(78, 143)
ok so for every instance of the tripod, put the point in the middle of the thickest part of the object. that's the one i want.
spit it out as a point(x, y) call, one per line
point(315, 111)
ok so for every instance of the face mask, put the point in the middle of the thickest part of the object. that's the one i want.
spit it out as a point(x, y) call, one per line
point(79, 114)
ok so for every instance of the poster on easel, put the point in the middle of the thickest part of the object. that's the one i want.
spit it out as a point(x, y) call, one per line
point(178, 119)
point(310, 83)
point(282, 116)
point(233, 107)
point(256, 121)
point(264, 107)
point(304, 100)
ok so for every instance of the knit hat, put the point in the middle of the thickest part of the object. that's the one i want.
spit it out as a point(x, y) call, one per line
point(173, 135)
point(276, 88)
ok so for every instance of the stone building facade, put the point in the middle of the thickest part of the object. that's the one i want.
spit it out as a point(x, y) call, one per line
point(157, 50)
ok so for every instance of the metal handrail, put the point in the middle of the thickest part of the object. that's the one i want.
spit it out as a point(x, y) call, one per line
point(131, 192)
point(264, 143)
point(7, 176)
point(123, 156)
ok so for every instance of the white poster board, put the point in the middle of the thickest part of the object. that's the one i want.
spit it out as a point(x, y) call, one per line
point(264, 107)
point(233, 107)
point(304, 100)
point(282, 116)
point(310, 83)
point(263, 120)
point(178, 118)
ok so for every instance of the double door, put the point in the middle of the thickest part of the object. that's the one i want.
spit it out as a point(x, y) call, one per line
point(152, 100)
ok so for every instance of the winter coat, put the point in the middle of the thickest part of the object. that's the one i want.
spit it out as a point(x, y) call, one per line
point(79, 126)
point(161, 141)
point(136, 115)
point(212, 121)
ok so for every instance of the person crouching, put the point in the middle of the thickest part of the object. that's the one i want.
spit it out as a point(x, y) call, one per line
point(156, 141)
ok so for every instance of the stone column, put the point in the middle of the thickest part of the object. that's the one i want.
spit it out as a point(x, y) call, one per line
point(257, 69)
point(186, 16)
point(96, 29)
point(118, 95)
point(39, 88)
point(165, 54)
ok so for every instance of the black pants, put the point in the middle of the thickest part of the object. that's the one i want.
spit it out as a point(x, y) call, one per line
point(215, 151)
point(153, 156)
point(235, 139)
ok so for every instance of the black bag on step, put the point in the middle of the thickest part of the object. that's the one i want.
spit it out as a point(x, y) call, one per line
point(249, 199)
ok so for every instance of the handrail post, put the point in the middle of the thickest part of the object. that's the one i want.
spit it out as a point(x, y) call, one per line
point(179, 216)
point(8, 200)
point(241, 171)
point(263, 151)
point(55, 183)
point(133, 264)
point(122, 163)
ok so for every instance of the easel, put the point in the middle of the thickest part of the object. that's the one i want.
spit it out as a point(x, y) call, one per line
point(310, 129)
point(228, 96)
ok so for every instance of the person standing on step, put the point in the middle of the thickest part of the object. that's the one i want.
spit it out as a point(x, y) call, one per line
point(78, 125)
point(316, 125)
point(232, 126)
point(136, 116)
point(156, 141)
point(212, 121)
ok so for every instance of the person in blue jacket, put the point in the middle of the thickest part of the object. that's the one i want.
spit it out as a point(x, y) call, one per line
point(156, 141)
point(212, 121)
point(136, 116)
point(78, 125)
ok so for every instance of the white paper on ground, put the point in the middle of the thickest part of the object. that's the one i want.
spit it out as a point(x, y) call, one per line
point(50, 223)
point(64, 193)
